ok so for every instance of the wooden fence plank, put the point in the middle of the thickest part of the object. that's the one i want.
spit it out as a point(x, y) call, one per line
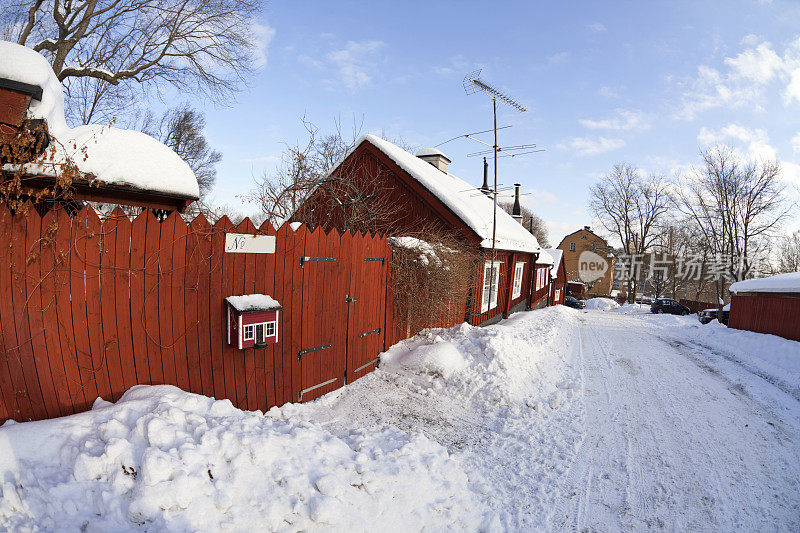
point(150, 304)
point(179, 324)
point(94, 304)
point(19, 404)
point(165, 309)
point(23, 226)
point(292, 388)
point(77, 283)
point(245, 270)
point(282, 293)
point(123, 293)
point(108, 305)
point(137, 294)
point(193, 307)
point(218, 337)
point(265, 284)
point(55, 354)
point(202, 238)
point(229, 353)
point(239, 358)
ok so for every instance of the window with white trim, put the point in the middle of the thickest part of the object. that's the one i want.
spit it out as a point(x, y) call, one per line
point(491, 282)
point(249, 332)
point(519, 269)
point(269, 329)
point(541, 281)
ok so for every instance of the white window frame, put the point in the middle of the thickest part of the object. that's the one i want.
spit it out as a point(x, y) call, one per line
point(557, 295)
point(252, 335)
point(494, 285)
point(266, 328)
point(519, 271)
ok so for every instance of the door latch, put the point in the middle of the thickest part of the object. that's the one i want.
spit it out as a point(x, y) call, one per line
point(349, 300)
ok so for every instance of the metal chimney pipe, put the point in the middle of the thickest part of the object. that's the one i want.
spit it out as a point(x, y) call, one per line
point(485, 187)
point(516, 212)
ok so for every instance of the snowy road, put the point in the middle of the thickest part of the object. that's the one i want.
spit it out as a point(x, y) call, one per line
point(677, 437)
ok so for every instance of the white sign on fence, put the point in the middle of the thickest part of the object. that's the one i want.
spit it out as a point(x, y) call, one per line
point(251, 244)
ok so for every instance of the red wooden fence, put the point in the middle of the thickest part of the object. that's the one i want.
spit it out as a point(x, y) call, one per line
point(90, 308)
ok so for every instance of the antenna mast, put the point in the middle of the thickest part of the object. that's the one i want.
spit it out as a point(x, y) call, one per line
point(472, 85)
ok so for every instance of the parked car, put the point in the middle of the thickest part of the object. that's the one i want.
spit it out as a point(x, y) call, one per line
point(667, 305)
point(708, 315)
point(571, 301)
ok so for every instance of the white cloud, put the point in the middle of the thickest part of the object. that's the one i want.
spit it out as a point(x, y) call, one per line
point(585, 146)
point(559, 58)
point(796, 144)
point(744, 80)
point(262, 36)
point(356, 62)
point(755, 142)
point(608, 92)
point(599, 27)
point(623, 121)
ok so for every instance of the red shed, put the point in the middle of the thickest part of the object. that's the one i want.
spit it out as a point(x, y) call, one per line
point(558, 276)
point(252, 320)
point(767, 305)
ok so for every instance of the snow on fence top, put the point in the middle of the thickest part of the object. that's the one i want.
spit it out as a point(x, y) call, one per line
point(110, 155)
point(473, 208)
point(781, 283)
point(248, 303)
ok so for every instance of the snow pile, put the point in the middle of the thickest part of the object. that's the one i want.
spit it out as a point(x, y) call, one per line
point(632, 309)
point(789, 282)
point(163, 459)
point(601, 304)
point(505, 400)
point(774, 358)
point(473, 208)
point(22, 64)
point(253, 302)
point(109, 155)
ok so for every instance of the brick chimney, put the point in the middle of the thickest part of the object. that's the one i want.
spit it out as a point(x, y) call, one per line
point(435, 158)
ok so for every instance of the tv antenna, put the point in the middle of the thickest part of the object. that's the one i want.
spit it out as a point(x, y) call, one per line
point(474, 84)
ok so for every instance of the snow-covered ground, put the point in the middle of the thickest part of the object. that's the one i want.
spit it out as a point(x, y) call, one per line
point(552, 420)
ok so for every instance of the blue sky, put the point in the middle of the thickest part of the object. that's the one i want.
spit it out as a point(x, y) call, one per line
point(642, 82)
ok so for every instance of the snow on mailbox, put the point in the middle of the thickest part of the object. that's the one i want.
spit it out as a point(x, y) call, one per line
point(252, 320)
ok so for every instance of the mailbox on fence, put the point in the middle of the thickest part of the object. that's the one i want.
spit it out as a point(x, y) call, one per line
point(252, 320)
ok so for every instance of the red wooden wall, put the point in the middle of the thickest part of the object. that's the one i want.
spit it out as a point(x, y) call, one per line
point(90, 308)
point(767, 312)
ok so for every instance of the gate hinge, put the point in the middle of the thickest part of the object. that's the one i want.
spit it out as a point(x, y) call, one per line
point(301, 353)
point(381, 259)
point(371, 332)
point(304, 260)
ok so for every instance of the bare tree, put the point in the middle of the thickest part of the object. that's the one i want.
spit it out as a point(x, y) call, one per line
point(181, 128)
point(737, 206)
point(107, 51)
point(530, 221)
point(789, 256)
point(631, 207)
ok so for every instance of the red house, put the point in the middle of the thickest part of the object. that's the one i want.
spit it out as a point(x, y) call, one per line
point(558, 276)
point(767, 305)
point(420, 193)
point(252, 320)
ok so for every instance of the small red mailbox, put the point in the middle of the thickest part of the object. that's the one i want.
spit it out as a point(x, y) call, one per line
point(252, 320)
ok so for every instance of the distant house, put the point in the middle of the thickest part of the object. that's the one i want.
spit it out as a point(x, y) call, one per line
point(767, 305)
point(558, 277)
point(584, 240)
point(421, 192)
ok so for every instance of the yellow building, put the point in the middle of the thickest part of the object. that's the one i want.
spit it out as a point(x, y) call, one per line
point(584, 240)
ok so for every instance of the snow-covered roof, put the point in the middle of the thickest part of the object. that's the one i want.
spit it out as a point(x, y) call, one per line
point(465, 200)
point(110, 155)
point(556, 254)
point(781, 283)
point(249, 303)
